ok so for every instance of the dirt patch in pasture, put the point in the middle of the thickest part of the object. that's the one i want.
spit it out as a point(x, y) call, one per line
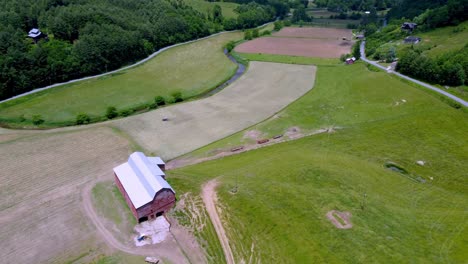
point(340, 219)
point(308, 47)
point(294, 132)
point(314, 32)
point(252, 134)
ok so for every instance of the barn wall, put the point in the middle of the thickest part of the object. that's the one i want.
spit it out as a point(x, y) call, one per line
point(125, 195)
point(163, 202)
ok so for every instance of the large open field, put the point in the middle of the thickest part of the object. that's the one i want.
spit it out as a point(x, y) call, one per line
point(263, 90)
point(285, 191)
point(309, 42)
point(190, 69)
point(41, 180)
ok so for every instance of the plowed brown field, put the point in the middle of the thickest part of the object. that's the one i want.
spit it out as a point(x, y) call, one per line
point(308, 42)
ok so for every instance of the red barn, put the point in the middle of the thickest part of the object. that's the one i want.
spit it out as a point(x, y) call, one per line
point(142, 182)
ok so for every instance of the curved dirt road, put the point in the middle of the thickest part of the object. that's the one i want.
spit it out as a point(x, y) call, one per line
point(209, 199)
point(173, 254)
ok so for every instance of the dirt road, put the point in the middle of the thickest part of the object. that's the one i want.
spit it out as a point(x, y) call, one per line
point(167, 250)
point(210, 199)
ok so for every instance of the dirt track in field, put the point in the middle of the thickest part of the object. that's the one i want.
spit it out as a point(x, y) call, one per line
point(263, 90)
point(308, 42)
point(210, 199)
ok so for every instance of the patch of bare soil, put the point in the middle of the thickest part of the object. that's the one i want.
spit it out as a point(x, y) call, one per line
point(308, 47)
point(294, 132)
point(253, 134)
point(340, 219)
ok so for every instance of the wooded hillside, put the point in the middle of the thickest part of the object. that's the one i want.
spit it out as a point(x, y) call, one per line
point(86, 37)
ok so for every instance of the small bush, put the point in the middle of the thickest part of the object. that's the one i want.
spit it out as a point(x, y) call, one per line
point(287, 23)
point(266, 32)
point(159, 100)
point(37, 120)
point(111, 112)
point(22, 118)
point(125, 112)
point(247, 35)
point(230, 46)
point(82, 119)
point(278, 25)
point(177, 97)
point(255, 33)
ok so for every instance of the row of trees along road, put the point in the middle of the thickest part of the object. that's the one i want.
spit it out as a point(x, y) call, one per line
point(87, 37)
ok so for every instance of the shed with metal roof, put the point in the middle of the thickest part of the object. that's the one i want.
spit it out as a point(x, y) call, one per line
point(141, 180)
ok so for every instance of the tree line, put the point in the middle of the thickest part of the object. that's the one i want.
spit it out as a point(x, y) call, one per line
point(87, 37)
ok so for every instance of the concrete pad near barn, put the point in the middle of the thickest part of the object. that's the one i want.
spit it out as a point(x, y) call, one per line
point(262, 91)
point(307, 42)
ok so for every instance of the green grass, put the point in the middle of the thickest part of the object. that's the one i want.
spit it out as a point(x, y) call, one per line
point(288, 59)
point(206, 7)
point(285, 190)
point(445, 39)
point(111, 205)
point(191, 69)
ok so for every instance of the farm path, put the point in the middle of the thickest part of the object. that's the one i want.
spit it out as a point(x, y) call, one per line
point(210, 199)
point(451, 96)
point(262, 91)
point(167, 249)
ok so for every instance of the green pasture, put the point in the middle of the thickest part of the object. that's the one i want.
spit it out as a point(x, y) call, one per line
point(445, 39)
point(190, 69)
point(206, 7)
point(285, 190)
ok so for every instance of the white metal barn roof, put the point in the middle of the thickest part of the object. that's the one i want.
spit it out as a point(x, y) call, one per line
point(141, 178)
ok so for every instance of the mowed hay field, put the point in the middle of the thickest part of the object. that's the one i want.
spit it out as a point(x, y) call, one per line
point(190, 69)
point(264, 89)
point(309, 42)
point(41, 177)
point(285, 191)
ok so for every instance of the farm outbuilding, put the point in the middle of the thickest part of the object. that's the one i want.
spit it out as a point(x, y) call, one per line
point(142, 182)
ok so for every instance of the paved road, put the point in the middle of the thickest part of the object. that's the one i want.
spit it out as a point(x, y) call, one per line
point(451, 96)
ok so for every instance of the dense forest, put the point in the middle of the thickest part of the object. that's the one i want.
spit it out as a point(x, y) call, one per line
point(86, 37)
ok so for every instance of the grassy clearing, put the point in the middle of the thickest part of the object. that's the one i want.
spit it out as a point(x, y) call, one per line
point(206, 7)
point(191, 69)
point(285, 190)
point(111, 205)
point(445, 39)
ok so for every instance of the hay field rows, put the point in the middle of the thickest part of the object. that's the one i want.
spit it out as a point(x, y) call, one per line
point(263, 90)
point(42, 176)
point(308, 42)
